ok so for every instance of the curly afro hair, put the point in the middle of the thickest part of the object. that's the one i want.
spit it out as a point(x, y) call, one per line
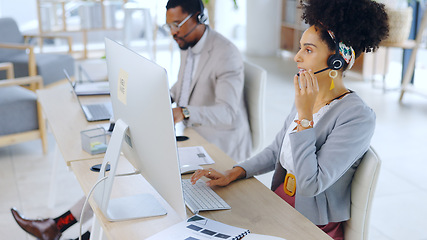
point(361, 24)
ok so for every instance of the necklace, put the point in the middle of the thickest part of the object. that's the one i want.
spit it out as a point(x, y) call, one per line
point(330, 101)
point(340, 96)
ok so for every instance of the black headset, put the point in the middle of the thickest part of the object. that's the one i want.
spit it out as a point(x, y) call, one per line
point(336, 61)
point(201, 18)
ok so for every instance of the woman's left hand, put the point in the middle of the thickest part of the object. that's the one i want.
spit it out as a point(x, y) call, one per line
point(306, 90)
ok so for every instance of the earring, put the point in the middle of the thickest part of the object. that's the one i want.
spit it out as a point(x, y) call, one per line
point(332, 74)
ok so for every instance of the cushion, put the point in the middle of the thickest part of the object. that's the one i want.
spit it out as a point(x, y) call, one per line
point(18, 110)
point(49, 65)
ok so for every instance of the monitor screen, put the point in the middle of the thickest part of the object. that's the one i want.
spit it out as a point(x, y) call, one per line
point(140, 97)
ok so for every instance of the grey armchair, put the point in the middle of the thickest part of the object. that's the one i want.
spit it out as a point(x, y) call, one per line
point(15, 49)
point(21, 118)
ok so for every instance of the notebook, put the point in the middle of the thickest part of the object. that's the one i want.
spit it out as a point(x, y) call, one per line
point(93, 112)
point(199, 227)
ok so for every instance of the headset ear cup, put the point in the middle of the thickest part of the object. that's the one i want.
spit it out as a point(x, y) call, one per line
point(335, 62)
point(201, 18)
point(330, 62)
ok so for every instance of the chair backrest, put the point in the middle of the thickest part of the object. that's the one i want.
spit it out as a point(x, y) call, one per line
point(10, 33)
point(362, 191)
point(254, 92)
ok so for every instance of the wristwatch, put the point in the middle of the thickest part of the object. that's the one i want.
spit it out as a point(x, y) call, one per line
point(305, 123)
point(185, 112)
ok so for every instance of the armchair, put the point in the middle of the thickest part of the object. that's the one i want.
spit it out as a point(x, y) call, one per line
point(362, 191)
point(254, 94)
point(21, 118)
point(15, 49)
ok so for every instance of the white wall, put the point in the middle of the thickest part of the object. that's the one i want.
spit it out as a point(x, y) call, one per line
point(230, 22)
point(263, 31)
point(23, 11)
point(254, 26)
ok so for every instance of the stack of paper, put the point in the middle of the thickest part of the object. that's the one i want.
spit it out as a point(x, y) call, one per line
point(194, 156)
point(198, 227)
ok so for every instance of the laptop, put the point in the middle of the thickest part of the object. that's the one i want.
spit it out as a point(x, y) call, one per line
point(93, 112)
point(90, 87)
point(93, 88)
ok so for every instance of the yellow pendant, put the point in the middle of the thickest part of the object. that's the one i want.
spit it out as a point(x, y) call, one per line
point(332, 85)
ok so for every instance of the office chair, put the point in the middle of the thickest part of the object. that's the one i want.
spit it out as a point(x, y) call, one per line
point(15, 49)
point(254, 91)
point(362, 191)
point(21, 118)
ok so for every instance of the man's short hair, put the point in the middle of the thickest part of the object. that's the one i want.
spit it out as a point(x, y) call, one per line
point(188, 6)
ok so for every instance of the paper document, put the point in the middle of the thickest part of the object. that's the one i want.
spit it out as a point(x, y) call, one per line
point(194, 156)
point(200, 228)
point(92, 88)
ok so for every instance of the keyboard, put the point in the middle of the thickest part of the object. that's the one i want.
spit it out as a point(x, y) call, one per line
point(98, 111)
point(199, 197)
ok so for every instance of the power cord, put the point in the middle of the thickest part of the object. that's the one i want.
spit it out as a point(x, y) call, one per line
point(90, 193)
point(84, 205)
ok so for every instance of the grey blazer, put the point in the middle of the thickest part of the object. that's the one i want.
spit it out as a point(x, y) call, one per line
point(216, 105)
point(325, 159)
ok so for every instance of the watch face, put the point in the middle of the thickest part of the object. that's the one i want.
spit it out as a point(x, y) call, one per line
point(186, 113)
point(305, 123)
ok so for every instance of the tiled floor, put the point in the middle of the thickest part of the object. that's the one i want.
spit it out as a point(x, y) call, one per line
point(399, 208)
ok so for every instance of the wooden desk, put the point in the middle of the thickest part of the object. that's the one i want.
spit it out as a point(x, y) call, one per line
point(66, 119)
point(253, 206)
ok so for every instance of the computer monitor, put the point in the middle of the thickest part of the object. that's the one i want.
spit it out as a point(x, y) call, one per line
point(144, 132)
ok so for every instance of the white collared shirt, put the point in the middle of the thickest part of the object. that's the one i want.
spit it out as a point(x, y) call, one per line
point(197, 49)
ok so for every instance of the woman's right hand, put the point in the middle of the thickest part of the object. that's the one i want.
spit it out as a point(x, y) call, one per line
point(306, 91)
point(218, 178)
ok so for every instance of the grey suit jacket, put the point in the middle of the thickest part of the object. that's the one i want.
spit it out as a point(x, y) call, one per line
point(325, 159)
point(216, 105)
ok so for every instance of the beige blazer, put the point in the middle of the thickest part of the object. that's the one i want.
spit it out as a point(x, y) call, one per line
point(216, 105)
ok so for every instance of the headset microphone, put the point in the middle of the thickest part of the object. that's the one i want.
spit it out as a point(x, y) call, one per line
point(318, 71)
point(189, 32)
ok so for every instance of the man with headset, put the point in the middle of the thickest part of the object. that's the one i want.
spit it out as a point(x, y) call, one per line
point(209, 96)
point(209, 90)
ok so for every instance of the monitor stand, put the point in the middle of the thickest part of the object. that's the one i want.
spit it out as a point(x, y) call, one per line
point(125, 208)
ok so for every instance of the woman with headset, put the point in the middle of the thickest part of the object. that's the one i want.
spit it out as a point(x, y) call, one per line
point(315, 155)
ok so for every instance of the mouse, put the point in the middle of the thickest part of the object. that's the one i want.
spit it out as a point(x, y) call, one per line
point(185, 169)
point(181, 138)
